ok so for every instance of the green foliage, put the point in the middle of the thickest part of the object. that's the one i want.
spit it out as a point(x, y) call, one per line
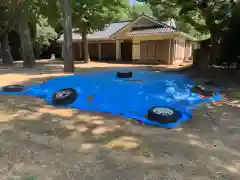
point(41, 14)
point(164, 9)
point(230, 40)
point(214, 12)
point(95, 14)
point(124, 12)
point(48, 14)
point(191, 22)
point(127, 12)
point(50, 9)
point(45, 33)
point(140, 8)
point(197, 17)
point(8, 15)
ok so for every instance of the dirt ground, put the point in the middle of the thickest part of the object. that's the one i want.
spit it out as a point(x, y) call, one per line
point(42, 142)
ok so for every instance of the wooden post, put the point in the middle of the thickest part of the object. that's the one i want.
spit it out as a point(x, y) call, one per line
point(170, 51)
point(80, 50)
point(136, 48)
point(62, 51)
point(99, 51)
point(118, 50)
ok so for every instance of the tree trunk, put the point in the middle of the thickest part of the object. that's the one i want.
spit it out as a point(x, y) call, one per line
point(214, 47)
point(200, 60)
point(68, 52)
point(85, 46)
point(26, 43)
point(6, 52)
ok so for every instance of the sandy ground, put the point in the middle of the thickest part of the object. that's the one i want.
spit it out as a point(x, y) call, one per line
point(41, 142)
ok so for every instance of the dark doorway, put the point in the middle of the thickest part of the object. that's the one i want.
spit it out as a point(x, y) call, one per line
point(109, 51)
point(93, 51)
point(76, 51)
point(126, 51)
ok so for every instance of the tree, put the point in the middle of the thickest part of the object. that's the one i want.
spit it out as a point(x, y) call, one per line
point(6, 53)
point(127, 12)
point(229, 42)
point(216, 15)
point(124, 13)
point(68, 56)
point(26, 41)
point(204, 15)
point(45, 34)
point(139, 8)
point(165, 10)
point(8, 14)
point(89, 16)
point(37, 16)
point(55, 17)
point(19, 12)
point(52, 13)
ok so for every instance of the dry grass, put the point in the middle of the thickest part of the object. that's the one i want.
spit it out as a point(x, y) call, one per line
point(42, 142)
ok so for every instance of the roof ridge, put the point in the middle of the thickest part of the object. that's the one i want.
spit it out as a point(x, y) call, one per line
point(156, 19)
point(143, 14)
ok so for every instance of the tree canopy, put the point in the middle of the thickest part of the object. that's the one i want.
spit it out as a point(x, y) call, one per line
point(44, 19)
point(139, 8)
point(45, 33)
point(89, 16)
point(200, 18)
point(95, 14)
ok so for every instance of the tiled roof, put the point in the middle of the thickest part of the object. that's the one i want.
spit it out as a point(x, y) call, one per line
point(170, 22)
point(168, 26)
point(106, 33)
point(109, 30)
point(151, 31)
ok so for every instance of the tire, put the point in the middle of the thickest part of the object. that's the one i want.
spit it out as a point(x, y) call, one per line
point(64, 97)
point(204, 90)
point(13, 88)
point(124, 74)
point(163, 115)
point(210, 83)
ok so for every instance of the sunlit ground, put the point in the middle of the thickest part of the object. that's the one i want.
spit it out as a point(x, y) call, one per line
point(44, 142)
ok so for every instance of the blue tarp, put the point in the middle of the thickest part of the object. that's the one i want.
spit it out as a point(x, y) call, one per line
point(131, 97)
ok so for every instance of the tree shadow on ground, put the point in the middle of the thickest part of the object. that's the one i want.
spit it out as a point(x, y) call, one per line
point(56, 66)
point(46, 70)
point(40, 140)
point(48, 67)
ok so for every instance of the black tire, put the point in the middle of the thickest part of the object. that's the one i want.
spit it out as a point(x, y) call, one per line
point(124, 74)
point(64, 97)
point(210, 83)
point(204, 90)
point(13, 88)
point(163, 115)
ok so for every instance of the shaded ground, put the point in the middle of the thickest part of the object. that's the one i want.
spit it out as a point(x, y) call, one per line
point(39, 141)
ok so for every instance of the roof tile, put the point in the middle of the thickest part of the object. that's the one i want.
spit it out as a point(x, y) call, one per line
point(152, 31)
point(106, 33)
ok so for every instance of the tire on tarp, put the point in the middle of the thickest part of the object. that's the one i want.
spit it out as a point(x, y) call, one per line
point(64, 97)
point(124, 74)
point(204, 90)
point(163, 115)
point(13, 88)
point(210, 83)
